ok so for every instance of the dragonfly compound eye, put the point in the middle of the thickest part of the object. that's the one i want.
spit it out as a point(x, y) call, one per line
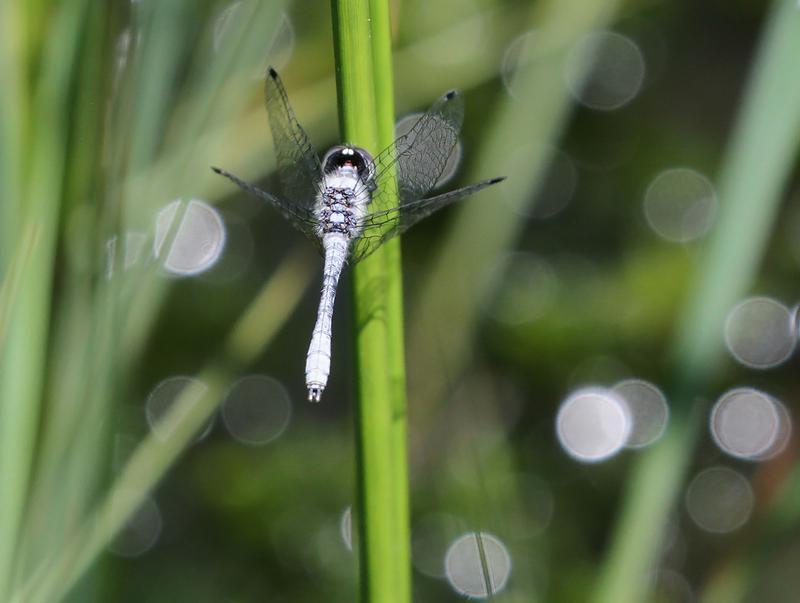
point(342, 156)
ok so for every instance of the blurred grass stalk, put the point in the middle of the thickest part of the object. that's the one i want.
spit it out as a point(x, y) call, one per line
point(34, 159)
point(362, 45)
point(753, 175)
point(380, 30)
point(185, 418)
point(519, 145)
point(68, 352)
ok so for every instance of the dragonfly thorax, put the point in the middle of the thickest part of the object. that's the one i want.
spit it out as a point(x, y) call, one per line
point(342, 203)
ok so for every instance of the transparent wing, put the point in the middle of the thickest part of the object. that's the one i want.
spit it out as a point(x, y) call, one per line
point(298, 165)
point(418, 158)
point(379, 227)
point(299, 217)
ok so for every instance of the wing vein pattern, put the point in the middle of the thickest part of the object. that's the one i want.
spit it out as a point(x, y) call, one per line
point(298, 165)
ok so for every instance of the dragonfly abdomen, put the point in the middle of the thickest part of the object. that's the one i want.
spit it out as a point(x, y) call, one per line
point(318, 360)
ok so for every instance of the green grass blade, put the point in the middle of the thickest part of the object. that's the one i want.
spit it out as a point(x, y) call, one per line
point(14, 107)
point(17, 267)
point(364, 85)
point(70, 462)
point(24, 356)
point(384, 112)
point(153, 457)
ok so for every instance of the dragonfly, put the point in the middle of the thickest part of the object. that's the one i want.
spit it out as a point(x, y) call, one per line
point(350, 203)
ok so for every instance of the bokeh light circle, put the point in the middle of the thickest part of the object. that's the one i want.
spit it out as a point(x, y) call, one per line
point(256, 410)
point(557, 187)
point(605, 71)
point(593, 424)
point(346, 527)
point(760, 332)
point(430, 538)
point(719, 500)
point(159, 406)
point(648, 410)
point(673, 587)
point(238, 256)
point(134, 246)
point(197, 242)
point(749, 424)
point(525, 51)
point(680, 204)
point(122, 51)
point(465, 570)
point(141, 530)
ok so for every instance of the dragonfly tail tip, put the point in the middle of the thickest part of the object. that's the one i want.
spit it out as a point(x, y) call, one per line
point(314, 394)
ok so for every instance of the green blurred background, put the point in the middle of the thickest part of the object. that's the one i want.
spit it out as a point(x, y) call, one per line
point(650, 149)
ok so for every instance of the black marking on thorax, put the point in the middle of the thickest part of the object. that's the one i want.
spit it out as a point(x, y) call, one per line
point(336, 214)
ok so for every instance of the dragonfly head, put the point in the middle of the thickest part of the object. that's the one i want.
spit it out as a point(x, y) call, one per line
point(344, 158)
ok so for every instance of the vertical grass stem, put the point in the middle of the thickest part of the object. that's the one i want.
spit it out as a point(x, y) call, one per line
point(364, 84)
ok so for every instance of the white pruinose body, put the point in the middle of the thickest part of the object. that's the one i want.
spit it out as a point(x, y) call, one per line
point(330, 199)
point(341, 205)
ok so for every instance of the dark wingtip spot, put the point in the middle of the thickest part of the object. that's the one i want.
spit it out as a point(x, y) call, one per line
point(272, 73)
point(216, 169)
point(451, 94)
point(496, 180)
